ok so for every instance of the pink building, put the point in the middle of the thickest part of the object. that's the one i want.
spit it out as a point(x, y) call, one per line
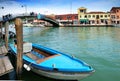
point(115, 15)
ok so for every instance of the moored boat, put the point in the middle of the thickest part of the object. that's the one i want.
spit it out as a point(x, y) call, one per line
point(51, 63)
point(10, 35)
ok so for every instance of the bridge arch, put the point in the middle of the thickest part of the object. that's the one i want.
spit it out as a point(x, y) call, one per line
point(48, 19)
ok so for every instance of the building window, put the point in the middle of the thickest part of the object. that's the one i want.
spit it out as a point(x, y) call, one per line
point(105, 15)
point(81, 10)
point(118, 22)
point(102, 21)
point(114, 11)
point(117, 17)
point(93, 21)
point(68, 17)
point(114, 22)
point(80, 16)
point(101, 16)
point(89, 16)
point(85, 16)
point(93, 16)
point(76, 17)
point(117, 10)
point(59, 17)
point(97, 17)
point(113, 16)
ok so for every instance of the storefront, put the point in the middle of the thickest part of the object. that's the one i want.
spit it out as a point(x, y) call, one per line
point(84, 21)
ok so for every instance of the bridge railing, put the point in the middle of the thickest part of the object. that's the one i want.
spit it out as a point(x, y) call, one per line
point(13, 16)
point(40, 16)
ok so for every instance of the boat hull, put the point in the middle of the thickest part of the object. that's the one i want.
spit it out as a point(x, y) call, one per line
point(58, 66)
point(61, 75)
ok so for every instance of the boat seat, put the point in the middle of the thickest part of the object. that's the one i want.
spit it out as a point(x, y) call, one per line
point(41, 60)
point(27, 47)
point(38, 54)
point(32, 56)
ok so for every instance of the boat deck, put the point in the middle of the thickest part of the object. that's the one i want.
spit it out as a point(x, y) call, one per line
point(32, 56)
point(39, 58)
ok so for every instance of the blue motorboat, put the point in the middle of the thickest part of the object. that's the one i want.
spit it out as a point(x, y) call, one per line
point(51, 63)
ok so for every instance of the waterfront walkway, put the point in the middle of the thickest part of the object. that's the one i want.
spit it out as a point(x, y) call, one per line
point(3, 50)
point(5, 64)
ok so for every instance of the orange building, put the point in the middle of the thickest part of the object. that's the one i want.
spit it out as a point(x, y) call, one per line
point(115, 15)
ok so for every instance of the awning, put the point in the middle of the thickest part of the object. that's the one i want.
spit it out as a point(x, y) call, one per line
point(84, 20)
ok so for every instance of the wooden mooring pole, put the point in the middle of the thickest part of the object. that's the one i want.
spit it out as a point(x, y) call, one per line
point(0, 29)
point(6, 34)
point(19, 34)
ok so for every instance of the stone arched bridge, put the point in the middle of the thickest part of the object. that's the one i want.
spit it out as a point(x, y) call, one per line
point(10, 17)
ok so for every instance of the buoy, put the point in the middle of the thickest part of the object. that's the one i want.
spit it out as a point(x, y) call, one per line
point(27, 67)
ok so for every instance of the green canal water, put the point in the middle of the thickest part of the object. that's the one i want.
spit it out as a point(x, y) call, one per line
point(97, 46)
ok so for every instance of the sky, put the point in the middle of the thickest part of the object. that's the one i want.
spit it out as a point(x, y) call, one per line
point(55, 6)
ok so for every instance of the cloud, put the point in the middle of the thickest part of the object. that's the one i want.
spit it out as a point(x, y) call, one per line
point(10, 6)
point(98, 5)
point(55, 6)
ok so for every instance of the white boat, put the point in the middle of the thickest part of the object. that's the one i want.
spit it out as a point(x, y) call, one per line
point(33, 25)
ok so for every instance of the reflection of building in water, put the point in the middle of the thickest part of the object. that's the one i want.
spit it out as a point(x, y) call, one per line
point(93, 18)
point(115, 15)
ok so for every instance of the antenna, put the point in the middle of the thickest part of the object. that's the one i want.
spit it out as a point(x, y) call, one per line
point(71, 6)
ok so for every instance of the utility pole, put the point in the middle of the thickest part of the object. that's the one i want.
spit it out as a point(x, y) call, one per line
point(71, 6)
point(25, 6)
point(1, 31)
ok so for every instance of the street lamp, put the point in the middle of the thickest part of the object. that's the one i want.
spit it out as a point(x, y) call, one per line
point(71, 4)
point(25, 8)
point(2, 7)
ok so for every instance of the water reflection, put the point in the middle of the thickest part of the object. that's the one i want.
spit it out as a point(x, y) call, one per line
point(98, 46)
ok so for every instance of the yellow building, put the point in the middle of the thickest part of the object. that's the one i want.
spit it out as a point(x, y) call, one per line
point(93, 18)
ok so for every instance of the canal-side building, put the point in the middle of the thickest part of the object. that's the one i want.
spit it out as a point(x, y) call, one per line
point(115, 15)
point(93, 18)
point(67, 19)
